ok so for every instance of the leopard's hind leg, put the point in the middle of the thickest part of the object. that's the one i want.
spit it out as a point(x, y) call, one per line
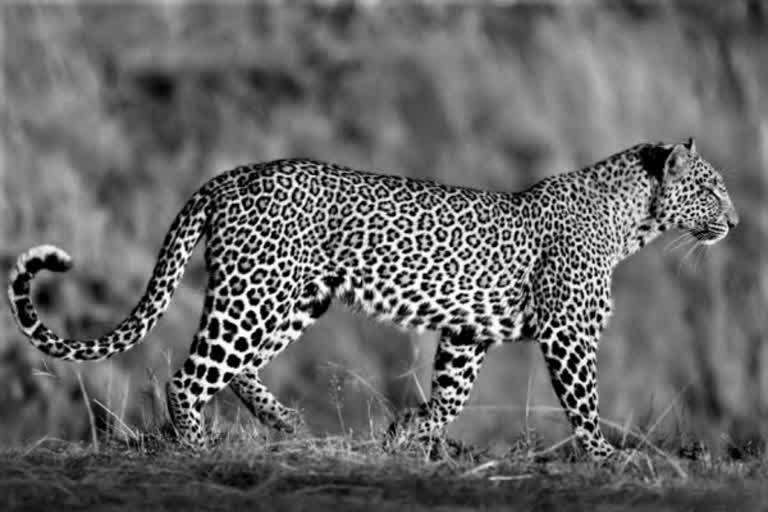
point(225, 344)
point(262, 403)
point(458, 359)
point(220, 350)
point(312, 302)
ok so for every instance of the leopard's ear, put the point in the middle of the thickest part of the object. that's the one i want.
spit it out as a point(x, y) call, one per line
point(677, 161)
point(664, 161)
point(690, 144)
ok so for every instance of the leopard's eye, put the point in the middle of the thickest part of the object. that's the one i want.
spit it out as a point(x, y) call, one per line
point(714, 192)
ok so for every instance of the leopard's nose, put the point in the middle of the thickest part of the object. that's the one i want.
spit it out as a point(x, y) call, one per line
point(732, 218)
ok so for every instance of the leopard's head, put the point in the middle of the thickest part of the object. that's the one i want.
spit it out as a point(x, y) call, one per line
point(691, 194)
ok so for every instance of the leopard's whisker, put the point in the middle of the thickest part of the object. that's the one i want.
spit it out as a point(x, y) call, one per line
point(682, 242)
point(688, 248)
point(702, 253)
point(678, 241)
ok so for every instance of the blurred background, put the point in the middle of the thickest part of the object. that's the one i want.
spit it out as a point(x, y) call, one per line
point(112, 115)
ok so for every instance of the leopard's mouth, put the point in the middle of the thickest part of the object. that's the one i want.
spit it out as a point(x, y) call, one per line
point(710, 233)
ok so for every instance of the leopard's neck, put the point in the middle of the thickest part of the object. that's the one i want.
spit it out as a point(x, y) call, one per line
point(625, 192)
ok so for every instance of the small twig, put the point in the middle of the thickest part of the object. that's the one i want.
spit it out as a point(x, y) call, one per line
point(91, 417)
point(124, 405)
point(554, 446)
point(528, 393)
point(43, 373)
point(627, 422)
point(669, 407)
point(680, 471)
point(479, 469)
point(420, 389)
point(110, 373)
point(505, 478)
point(133, 435)
point(35, 446)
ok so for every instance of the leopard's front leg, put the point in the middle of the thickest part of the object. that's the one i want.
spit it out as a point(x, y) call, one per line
point(573, 307)
point(571, 360)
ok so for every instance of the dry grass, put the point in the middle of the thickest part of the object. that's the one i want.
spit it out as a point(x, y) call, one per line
point(254, 470)
point(246, 465)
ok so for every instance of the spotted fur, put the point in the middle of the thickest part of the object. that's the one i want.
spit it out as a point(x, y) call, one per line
point(284, 238)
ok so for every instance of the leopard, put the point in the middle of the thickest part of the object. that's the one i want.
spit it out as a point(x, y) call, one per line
point(480, 268)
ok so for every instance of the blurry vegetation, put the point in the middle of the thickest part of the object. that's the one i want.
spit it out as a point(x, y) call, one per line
point(112, 115)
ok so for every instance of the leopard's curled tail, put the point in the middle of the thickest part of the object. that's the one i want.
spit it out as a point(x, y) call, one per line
point(177, 248)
